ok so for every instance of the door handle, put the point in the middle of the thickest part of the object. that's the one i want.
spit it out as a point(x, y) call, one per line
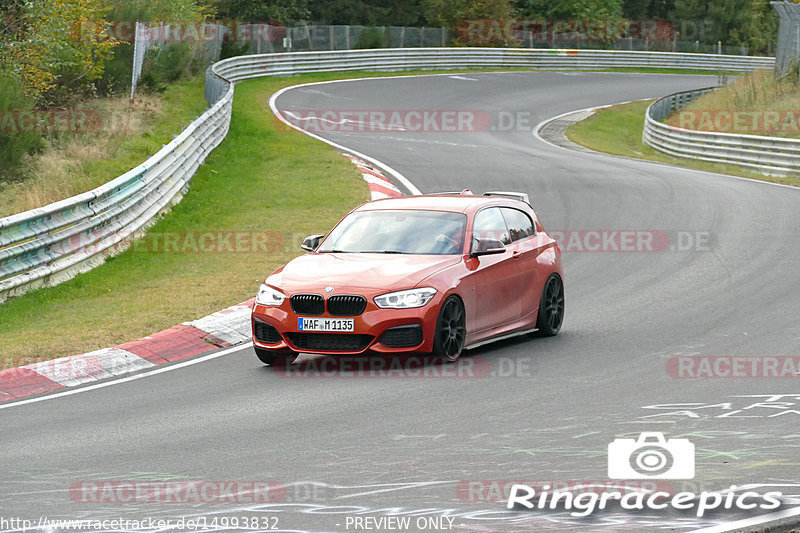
point(516, 254)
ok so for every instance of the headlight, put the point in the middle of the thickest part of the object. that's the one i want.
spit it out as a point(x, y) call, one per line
point(405, 299)
point(269, 296)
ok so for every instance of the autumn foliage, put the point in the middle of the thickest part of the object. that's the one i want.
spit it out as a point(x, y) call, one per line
point(40, 47)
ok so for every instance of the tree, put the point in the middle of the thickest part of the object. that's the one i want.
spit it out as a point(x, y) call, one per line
point(763, 28)
point(369, 12)
point(287, 12)
point(571, 9)
point(348, 12)
point(647, 9)
point(56, 43)
point(732, 22)
point(449, 13)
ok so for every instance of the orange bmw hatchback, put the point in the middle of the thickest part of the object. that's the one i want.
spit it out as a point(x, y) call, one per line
point(436, 274)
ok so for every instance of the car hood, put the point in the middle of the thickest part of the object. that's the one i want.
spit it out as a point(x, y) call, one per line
point(356, 271)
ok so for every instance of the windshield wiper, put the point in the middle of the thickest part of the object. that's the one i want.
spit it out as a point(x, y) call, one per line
point(382, 252)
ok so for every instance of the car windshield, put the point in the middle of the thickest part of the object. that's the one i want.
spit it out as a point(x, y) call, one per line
point(398, 232)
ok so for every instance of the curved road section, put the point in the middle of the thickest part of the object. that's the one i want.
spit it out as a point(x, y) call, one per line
point(681, 322)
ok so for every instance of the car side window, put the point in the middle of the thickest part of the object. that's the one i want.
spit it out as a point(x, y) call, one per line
point(519, 223)
point(490, 224)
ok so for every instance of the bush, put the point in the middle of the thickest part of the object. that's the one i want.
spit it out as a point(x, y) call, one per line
point(117, 75)
point(232, 49)
point(14, 144)
point(179, 58)
point(371, 38)
point(171, 63)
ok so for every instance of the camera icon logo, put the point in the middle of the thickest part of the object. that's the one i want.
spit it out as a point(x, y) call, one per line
point(651, 456)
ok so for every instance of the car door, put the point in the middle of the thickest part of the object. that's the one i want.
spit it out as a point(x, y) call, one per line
point(525, 248)
point(493, 277)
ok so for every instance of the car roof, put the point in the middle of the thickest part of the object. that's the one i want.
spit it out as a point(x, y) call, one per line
point(456, 202)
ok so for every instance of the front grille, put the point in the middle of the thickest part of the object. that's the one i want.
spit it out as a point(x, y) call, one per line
point(307, 304)
point(402, 336)
point(346, 305)
point(330, 342)
point(266, 333)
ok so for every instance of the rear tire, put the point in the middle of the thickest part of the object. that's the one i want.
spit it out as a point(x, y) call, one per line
point(271, 358)
point(451, 330)
point(551, 307)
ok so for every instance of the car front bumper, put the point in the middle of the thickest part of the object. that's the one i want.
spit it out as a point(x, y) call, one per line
point(377, 330)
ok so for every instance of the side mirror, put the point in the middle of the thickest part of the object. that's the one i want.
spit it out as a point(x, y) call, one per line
point(487, 247)
point(311, 242)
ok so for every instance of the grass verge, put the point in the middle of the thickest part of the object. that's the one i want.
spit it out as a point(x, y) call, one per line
point(618, 129)
point(121, 135)
point(757, 95)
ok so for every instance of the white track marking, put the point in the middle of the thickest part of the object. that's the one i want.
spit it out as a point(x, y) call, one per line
point(540, 125)
point(749, 522)
point(361, 126)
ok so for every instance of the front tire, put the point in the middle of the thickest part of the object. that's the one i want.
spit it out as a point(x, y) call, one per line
point(271, 358)
point(551, 307)
point(451, 330)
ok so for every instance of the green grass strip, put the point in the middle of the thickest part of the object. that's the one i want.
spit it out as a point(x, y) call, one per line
point(618, 129)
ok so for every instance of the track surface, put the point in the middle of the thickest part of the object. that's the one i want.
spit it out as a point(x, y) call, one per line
point(350, 447)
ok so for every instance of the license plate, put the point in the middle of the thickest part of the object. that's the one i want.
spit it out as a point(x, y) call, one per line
point(324, 324)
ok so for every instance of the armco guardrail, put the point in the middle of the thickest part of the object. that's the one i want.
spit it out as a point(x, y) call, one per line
point(253, 66)
point(768, 155)
point(48, 245)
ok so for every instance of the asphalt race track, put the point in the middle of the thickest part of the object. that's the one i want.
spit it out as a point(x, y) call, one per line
point(715, 273)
